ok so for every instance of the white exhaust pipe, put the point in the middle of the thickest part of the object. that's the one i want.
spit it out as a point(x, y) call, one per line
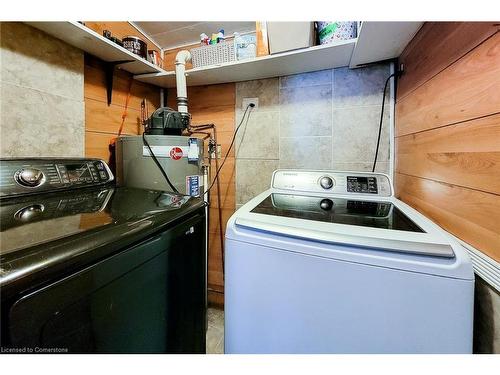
point(181, 59)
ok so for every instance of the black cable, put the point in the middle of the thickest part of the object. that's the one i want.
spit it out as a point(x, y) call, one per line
point(251, 105)
point(381, 120)
point(158, 163)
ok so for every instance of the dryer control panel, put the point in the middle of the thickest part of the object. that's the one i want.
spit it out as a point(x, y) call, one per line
point(334, 182)
point(28, 176)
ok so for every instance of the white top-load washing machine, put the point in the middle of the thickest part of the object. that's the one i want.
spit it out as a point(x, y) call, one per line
point(332, 262)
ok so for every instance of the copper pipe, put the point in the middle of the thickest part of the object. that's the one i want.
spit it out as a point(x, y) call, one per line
point(197, 129)
point(207, 135)
point(220, 206)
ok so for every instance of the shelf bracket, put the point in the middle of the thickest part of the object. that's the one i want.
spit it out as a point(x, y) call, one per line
point(109, 68)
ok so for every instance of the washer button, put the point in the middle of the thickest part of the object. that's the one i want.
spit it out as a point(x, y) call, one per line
point(326, 182)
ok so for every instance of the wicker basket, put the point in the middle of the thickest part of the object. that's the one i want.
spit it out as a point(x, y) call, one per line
point(213, 54)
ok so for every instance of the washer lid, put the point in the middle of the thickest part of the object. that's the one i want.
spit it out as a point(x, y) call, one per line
point(410, 246)
point(366, 213)
point(339, 220)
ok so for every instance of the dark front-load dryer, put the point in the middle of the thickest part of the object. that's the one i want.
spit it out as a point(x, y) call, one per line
point(89, 268)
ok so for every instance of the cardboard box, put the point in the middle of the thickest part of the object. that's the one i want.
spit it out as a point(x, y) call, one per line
point(287, 36)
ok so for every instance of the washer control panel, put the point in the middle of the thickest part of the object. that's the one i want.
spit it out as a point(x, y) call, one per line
point(27, 176)
point(334, 182)
point(362, 184)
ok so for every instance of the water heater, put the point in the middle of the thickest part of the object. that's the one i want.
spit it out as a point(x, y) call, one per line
point(180, 157)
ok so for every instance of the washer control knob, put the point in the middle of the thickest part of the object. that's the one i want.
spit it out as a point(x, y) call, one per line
point(326, 182)
point(30, 177)
point(326, 204)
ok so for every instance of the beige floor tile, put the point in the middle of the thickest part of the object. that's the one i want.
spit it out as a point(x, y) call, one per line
point(215, 332)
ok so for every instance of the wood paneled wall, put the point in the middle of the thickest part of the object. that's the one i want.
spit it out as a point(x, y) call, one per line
point(102, 122)
point(215, 104)
point(448, 130)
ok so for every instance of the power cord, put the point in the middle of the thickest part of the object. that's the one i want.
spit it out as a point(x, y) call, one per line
point(381, 118)
point(250, 105)
point(153, 156)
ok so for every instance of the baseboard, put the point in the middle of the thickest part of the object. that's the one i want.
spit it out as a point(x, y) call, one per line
point(216, 299)
point(484, 266)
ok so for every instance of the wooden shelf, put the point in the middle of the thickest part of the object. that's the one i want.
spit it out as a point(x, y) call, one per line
point(378, 41)
point(82, 37)
point(282, 64)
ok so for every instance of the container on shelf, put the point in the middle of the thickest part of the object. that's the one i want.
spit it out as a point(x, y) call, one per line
point(136, 45)
point(155, 57)
point(330, 32)
point(287, 36)
point(262, 39)
point(107, 34)
point(245, 46)
point(213, 54)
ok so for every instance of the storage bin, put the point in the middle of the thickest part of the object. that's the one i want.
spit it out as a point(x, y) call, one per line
point(245, 46)
point(213, 54)
point(287, 36)
point(329, 32)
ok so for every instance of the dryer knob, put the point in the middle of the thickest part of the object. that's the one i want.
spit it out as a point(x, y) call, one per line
point(326, 182)
point(29, 213)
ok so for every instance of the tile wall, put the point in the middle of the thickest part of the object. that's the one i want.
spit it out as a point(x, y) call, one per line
point(321, 120)
point(41, 94)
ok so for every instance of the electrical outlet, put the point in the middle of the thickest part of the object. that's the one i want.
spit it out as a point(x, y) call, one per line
point(401, 69)
point(247, 101)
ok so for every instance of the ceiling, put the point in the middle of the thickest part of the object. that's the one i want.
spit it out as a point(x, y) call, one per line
point(176, 34)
